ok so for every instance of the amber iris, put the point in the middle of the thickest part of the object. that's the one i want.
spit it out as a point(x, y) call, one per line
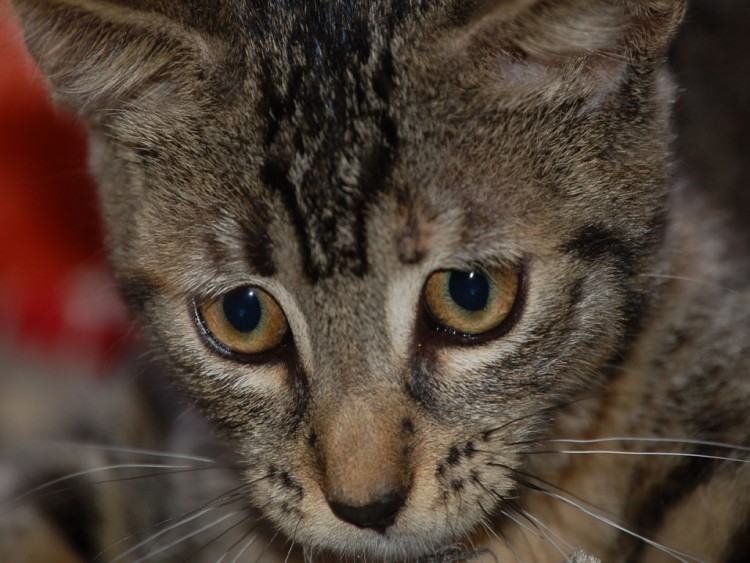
point(471, 302)
point(245, 320)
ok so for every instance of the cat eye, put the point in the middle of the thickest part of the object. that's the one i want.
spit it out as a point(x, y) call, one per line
point(471, 303)
point(246, 320)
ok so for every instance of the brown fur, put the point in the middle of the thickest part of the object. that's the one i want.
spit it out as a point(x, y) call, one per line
point(336, 154)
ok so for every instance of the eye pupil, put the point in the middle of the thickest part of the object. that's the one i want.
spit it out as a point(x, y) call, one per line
point(242, 309)
point(469, 290)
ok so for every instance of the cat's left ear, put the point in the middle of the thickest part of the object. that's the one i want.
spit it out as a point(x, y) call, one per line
point(555, 48)
point(556, 28)
point(99, 55)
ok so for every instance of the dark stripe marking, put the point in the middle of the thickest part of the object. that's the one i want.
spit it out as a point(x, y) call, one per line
point(138, 290)
point(661, 497)
point(594, 242)
point(258, 246)
point(334, 103)
point(739, 545)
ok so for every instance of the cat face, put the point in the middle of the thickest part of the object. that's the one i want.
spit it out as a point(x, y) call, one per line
point(380, 245)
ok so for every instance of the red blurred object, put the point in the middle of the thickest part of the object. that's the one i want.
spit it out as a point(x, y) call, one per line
point(55, 293)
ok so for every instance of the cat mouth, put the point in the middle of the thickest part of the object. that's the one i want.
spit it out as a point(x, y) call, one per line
point(392, 530)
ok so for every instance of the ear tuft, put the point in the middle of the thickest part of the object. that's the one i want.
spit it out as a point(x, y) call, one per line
point(97, 55)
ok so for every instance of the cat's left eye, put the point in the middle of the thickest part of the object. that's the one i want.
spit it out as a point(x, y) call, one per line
point(472, 302)
point(246, 320)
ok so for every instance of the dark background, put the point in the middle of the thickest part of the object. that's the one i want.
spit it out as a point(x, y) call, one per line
point(711, 63)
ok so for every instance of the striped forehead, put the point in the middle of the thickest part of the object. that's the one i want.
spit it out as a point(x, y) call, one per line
point(330, 140)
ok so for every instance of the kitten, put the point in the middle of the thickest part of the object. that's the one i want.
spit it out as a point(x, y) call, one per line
point(427, 266)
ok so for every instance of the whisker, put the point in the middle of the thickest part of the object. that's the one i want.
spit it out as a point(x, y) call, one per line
point(505, 541)
point(187, 536)
point(590, 511)
point(535, 531)
point(524, 537)
point(545, 410)
point(7, 505)
point(239, 541)
point(664, 549)
point(548, 529)
point(268, 545)
point(294, 535)
point(221, 535)
point(552, 485)
point(653, 454)
point(119, 449)
point(157, 474)
point(221, 500)
point(654, 440)
point(158, 534)
point(513, 506)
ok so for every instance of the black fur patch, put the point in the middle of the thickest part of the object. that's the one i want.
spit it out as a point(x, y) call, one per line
point(320, 102)
point(258, 244)
point(407, 427)
point(634, 314)
point(418, 386)
point(592, 242)
point(138, 289)
point(679, 483)
point(454, 456)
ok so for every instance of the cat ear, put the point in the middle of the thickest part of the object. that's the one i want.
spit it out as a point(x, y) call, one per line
point(100, 55)
point(551, 29)
point(581, 46)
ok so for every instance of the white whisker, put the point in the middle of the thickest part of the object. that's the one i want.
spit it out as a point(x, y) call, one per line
point(224, 499)
point(503, 541)
point(537, 530)
point(653, 454)
point(160, 533)
point(544, 526)
point(85, 472)
point(185, 537)
point(273, 538)
point(234, 526)
point(123, 450)
point(291, 547)
point(673, 553)
point(521, 525)
point(653, 440)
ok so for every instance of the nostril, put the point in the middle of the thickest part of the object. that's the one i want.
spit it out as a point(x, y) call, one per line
point(377, 515)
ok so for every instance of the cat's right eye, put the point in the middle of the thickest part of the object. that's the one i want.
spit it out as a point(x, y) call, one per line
point(245, 320)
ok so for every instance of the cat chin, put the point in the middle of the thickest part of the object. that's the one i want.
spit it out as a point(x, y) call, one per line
point(377, 547)
point(408, 541)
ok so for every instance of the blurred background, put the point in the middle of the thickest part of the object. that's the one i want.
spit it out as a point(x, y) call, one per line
point(57, 300)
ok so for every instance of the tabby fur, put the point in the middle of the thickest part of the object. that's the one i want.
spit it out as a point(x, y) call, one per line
point(336, 153)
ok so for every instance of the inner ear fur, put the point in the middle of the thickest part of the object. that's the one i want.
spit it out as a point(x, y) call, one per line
point(98, 55)
point(545, 51)
point(554, 29)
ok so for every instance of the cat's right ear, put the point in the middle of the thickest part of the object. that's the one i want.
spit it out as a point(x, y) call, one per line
point(99, 55)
